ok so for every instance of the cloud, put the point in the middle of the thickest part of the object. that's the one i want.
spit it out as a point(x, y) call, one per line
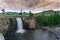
point(29, 4)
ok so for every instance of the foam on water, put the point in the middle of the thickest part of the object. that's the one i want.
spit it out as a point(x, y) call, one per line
point(20, 25)
point(1, 37)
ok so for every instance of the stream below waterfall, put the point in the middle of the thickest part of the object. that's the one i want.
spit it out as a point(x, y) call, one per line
point(37, 34)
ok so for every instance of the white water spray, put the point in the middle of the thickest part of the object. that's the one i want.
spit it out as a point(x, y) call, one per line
point(1, 37)
point(20, 25)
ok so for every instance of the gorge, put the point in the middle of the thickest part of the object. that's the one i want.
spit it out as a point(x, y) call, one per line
point(22, 34)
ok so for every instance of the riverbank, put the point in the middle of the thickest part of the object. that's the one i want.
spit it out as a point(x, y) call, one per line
point(54, 31)
point(37, 34)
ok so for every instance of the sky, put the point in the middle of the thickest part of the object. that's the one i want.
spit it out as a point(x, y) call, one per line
point(30, 5)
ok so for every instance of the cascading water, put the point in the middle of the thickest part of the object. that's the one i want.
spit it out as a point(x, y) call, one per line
point(1, 37)
point(20, 25)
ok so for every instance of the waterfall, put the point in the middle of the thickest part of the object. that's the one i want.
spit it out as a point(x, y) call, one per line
point(1, 37)
point(20, 25)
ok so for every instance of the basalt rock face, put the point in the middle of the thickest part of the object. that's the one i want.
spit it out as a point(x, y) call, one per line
point(10, 24)
point(7, 24)
point(4, 24)
point(12, 27)
point(29, 22)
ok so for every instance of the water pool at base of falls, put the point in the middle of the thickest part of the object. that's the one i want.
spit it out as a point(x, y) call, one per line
point(37, 34)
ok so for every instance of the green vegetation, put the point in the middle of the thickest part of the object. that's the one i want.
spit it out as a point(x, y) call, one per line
point(3, 11)
point(49, 18)
point(14, 14)
point(43, 18)
point(30, 13)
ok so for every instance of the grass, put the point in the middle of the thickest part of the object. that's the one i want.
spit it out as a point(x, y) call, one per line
point(48, 18)
point(11, 15)
point(44, 18)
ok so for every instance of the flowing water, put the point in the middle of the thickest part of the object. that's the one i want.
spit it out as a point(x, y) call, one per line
point(1, 37)
point(37, 34)
point(20, 26)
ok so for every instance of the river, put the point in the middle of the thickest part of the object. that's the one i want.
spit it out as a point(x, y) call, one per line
point(37, 34)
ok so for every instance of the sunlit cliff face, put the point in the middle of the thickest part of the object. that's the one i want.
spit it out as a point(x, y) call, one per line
point(29, 4)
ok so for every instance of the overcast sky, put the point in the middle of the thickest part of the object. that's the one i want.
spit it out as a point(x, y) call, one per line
point(33, 5)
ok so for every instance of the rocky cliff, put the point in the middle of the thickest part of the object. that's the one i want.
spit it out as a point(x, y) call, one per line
point(3, 24)
point(10, 24)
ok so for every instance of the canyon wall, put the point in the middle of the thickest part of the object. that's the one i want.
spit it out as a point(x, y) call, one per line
point(11, 25)
point(4, 24)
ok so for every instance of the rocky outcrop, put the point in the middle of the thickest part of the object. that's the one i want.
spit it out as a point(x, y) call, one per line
point(11, 25)
point(32, 23)
point(29, 22)
point(4, 24)
point(54, 31)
